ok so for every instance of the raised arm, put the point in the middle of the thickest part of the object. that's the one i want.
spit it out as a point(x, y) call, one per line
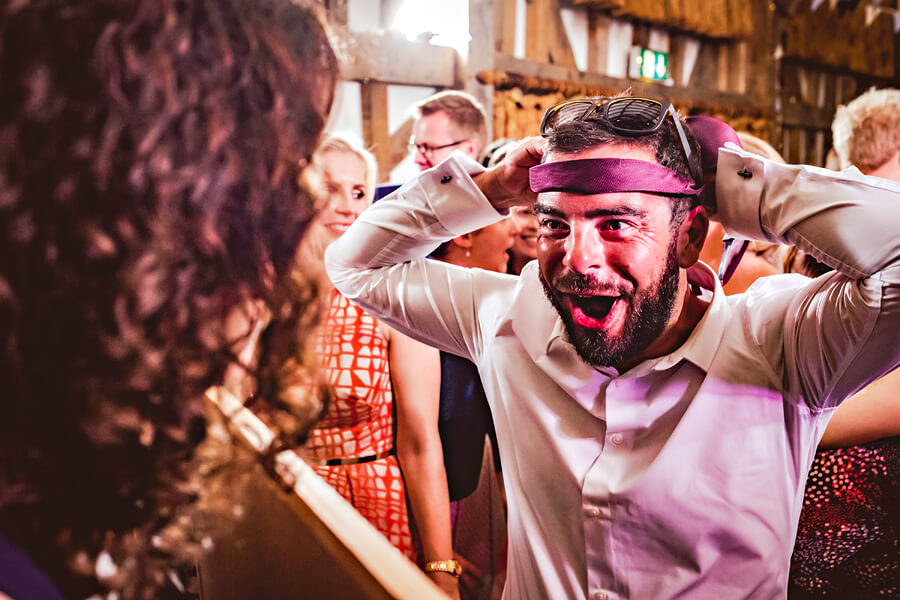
point(839, 331)
point(380, 262)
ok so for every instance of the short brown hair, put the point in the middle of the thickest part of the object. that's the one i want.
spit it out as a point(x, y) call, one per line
point(463, 109)
point(867, 131)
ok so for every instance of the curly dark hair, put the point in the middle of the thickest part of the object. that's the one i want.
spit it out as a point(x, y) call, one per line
point(149, 154)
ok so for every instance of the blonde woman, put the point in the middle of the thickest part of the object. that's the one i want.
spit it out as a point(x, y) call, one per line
point(366, 367)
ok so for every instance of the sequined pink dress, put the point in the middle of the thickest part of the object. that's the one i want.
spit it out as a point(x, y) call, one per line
point(359, 422)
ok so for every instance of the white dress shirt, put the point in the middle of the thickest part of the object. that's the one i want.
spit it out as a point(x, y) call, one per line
point(682, 477)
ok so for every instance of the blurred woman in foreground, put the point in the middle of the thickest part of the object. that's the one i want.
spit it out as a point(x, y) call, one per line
point(148, 189)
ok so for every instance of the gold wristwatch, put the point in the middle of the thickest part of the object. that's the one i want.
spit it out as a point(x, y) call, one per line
point(451, 566)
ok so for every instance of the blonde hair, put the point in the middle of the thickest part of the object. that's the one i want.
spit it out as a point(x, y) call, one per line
point(348, 142)
point(866, 132)
point(463, 109)
point(756, 145)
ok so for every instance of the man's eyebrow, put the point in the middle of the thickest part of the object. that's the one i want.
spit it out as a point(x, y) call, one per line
point(543, 209)
point(634, 211)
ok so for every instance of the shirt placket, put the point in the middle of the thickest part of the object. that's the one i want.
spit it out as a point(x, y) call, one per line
point(599, 504)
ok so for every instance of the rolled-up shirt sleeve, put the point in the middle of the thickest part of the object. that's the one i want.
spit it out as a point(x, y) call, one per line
point(839, 332)
point(380, 261)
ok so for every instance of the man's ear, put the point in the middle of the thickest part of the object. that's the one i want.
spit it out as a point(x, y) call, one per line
point(464, 241)
point(691, 235)
point(472, 148)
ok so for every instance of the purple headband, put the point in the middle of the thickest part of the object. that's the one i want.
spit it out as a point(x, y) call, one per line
point(607, 175)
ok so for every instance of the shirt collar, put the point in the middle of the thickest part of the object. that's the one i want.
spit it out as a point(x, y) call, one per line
point(701, 346)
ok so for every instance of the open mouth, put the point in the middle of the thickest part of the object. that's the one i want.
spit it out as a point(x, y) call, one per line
point(590, 311)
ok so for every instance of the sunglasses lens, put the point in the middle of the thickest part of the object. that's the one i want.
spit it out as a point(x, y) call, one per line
point(566, 114)
point(635, 114)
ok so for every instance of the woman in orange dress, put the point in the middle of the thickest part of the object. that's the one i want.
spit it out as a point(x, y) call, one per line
point(365, 366)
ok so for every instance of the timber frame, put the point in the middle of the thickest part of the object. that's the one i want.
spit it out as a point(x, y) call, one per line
point(775, 83)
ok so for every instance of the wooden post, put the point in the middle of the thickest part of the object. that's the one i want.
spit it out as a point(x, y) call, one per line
point(376, 133)
point(598, 43)
point(560, 48)
point(738, 74)
point(482, 50)
point(723, 67)
point(505, 30)
point(536, 30)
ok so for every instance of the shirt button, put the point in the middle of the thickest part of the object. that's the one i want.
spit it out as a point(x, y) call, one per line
point(616, 439)
point(598, 595)
point(592, 512)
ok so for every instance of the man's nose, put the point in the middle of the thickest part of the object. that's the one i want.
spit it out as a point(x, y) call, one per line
point(584, 250)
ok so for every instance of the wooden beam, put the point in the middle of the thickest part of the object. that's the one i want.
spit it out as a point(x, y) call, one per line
point(761, 66)
point(598, 43)
point(560, 47)
point(398, 147)
point(376, 133)
point(798, 114)
point(482, 49)
point(705, 75)
point(390, 58)
point(505, 41)
point(537, 32)
point(738, 71)
point(723, 69)
point(530, 74)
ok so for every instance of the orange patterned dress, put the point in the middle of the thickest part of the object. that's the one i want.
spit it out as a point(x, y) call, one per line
point(359, 421)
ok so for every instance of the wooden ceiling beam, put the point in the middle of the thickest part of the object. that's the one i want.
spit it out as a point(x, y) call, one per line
point(390, 58)
point(530, 75)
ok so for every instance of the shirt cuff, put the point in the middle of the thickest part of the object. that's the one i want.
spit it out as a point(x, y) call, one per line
point(454, 198)
point(740, 181)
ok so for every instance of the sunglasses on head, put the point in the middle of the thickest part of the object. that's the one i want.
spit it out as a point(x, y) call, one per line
point(625, 116)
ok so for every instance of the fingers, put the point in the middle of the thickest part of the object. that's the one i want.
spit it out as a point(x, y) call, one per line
point(529, 152)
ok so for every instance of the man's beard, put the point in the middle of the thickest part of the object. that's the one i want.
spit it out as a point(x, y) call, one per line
point(646, 319)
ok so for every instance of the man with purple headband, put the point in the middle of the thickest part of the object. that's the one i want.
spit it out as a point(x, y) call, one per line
point(655, 434)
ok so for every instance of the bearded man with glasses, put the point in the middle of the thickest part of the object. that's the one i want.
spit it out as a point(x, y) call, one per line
point(655, 434)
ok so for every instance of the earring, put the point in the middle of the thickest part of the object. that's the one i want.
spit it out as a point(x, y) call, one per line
point(468, 253)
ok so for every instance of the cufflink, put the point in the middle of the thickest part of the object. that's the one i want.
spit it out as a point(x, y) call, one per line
point(745, 173)
point(446, 179)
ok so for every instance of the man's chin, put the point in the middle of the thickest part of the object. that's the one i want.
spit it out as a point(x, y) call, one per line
point(592, 344)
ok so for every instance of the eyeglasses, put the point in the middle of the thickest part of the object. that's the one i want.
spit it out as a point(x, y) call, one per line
point(625, 116)
point(427, 149)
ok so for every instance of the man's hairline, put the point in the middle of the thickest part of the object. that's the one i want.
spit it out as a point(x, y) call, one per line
point(471, 134)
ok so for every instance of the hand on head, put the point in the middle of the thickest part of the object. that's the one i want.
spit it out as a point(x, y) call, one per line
point(711, 134)
point(507, 184)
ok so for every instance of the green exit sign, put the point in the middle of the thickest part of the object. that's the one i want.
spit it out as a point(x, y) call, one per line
point(649, 64)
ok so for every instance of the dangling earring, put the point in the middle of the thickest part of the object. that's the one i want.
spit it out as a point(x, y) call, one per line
point(468, 253)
